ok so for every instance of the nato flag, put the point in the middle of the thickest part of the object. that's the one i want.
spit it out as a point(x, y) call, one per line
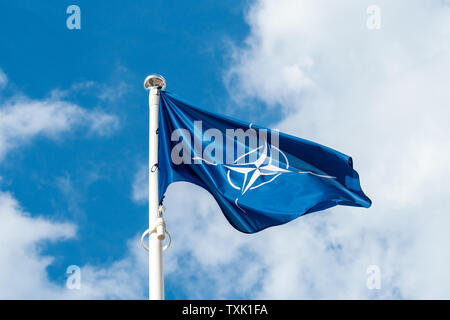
point(259, 177)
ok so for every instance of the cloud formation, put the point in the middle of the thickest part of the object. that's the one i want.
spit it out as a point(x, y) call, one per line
point(23, 235)
point(23, 265)
point(22, 119)
point(378, 95)
point(3, 79)
point(140, 185)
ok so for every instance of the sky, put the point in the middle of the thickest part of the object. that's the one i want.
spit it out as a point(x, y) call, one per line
point(74, 145)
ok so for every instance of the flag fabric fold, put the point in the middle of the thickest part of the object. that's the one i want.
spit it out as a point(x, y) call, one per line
point(259, 177)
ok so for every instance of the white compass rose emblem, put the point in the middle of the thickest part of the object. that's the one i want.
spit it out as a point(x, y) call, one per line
point(254, 173)
point(257, 169)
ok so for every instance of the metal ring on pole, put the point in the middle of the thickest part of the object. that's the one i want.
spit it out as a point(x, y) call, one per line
point(150, 232)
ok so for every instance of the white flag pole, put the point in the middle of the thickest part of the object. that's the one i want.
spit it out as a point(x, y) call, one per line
point(154, 84)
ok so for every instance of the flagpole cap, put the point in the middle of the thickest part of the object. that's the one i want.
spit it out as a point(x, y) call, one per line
point(155, 80)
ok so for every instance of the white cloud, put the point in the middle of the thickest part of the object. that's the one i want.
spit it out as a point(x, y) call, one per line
point(380, 96)
point(105, 92)
point(23, 266)
point(3, 79)
point(377, 95)
point(22, 235)
point(140, 184)
point(22, 119)
point(126, 278)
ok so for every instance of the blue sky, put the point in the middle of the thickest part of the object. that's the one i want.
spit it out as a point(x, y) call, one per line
point(89, 180)
point(75, 167)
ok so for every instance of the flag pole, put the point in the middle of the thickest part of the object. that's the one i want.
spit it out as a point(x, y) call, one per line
point(154, 83)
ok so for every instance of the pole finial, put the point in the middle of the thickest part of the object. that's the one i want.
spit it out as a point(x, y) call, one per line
point(155, 80)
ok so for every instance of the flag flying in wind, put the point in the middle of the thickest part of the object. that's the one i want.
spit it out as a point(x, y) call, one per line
point(259, 177)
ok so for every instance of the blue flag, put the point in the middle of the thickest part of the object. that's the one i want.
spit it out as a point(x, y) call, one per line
point(259, 177)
